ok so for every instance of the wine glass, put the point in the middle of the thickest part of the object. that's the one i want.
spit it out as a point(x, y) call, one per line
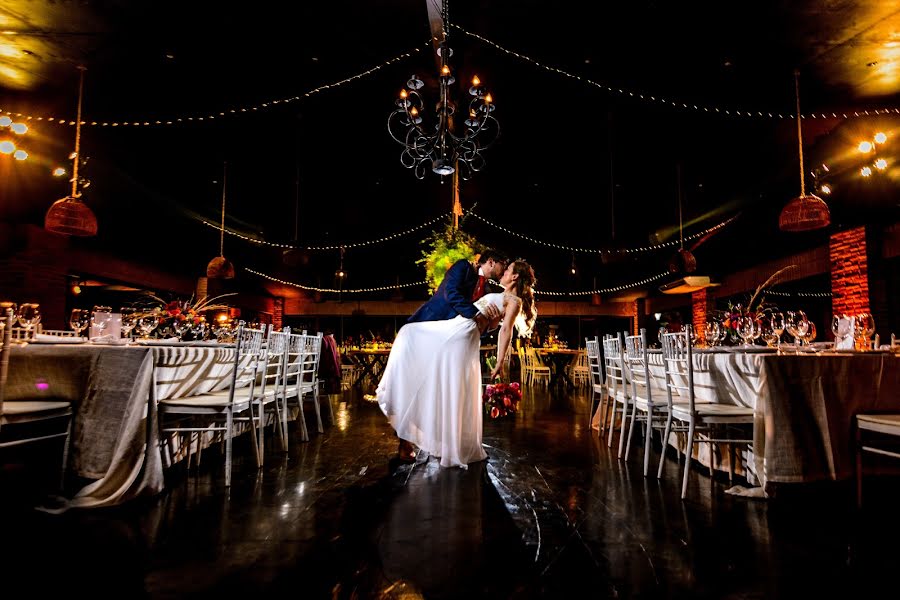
point(840, 333)
point(100, 318)
point(29, 315)
point(146, 322)
point(79, 320)
point(778, 325)
point(810, 334)
point(129, 320)
point(767, 332)
point(748, 329)
point(865, 326)
point(712, 333)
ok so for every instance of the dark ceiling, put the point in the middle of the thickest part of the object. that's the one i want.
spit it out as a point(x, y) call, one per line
point(576, 164)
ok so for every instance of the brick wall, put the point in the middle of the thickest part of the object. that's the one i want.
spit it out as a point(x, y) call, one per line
point(849, 272)
point(278, 314)
point(699, 308)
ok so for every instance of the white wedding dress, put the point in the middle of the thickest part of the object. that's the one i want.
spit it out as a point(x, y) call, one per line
point(431, 387)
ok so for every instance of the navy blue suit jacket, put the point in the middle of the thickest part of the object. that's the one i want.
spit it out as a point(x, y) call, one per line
point(453, 297)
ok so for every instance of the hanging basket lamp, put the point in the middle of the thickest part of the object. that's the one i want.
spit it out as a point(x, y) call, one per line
point(69, 215)
point(220, 267)
point(806, 212)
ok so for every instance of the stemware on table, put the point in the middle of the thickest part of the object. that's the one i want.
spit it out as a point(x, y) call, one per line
point(129, 320)
point(100, 318)
point(79, 320)
point(28, 316)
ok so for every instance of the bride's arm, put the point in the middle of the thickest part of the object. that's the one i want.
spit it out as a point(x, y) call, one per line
point(505, 336)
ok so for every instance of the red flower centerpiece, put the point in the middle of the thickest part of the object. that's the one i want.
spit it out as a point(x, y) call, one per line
point(501, 399)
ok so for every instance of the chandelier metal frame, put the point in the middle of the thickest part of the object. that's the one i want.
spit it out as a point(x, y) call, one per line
point(443, 149)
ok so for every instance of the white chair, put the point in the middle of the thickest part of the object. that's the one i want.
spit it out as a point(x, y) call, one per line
point(651, 414)
point(272, 371)
point(592, 351)
point(578, 370)
point(222, 409)
point(884, 427)
point(302, 377)
point(692, 416)
point(616, 385)
point(30, 413)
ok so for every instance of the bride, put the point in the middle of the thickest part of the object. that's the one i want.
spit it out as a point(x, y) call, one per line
point(431, 387)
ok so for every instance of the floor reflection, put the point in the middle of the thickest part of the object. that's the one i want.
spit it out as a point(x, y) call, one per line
point(552, 512)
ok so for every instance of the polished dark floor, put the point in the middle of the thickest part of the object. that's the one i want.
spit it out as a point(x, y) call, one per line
point(551, 514)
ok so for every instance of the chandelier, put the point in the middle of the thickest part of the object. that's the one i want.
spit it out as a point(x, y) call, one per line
point(441, 147)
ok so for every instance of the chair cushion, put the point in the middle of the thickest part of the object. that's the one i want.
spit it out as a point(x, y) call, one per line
point(21, 407)
point(884, 423)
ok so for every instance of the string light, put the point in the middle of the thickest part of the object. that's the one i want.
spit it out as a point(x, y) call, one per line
point(145, 122)
point(676, 104)
point(604, 250)
point(336, 291)
point(380, 240)
point(800, 294)
point(395, 286)
point(609, 290)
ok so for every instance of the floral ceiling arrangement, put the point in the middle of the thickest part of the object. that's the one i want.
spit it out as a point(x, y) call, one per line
point(445, 248)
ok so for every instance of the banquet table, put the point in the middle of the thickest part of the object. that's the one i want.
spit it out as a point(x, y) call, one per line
point(372, 362)
point(804, 404)
point(560, 358)
point(114, 390)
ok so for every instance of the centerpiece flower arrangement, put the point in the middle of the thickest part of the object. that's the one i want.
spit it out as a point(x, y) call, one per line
point(756, 308)
point(500, 398)
point(180, 314)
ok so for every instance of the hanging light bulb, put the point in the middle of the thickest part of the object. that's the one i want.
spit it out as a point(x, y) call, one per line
point(220, 267)
point(69, 215)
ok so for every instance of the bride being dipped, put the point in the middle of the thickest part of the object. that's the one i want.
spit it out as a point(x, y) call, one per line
point(431, 387)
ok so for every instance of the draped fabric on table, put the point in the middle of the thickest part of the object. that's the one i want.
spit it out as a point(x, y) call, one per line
point(114, 390)
point(805, 404)
point(109, 388)
point(818, 396)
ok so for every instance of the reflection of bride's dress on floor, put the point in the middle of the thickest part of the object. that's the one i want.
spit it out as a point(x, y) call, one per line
point(431, 389)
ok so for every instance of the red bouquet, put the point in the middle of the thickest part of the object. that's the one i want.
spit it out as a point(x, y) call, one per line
point(500, 399)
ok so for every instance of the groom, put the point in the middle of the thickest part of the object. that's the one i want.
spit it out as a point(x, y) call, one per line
point(464, 283)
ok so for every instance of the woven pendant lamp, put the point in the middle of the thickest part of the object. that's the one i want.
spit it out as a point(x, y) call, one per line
point(807, 211)
point(220, 267)
point(69, 215)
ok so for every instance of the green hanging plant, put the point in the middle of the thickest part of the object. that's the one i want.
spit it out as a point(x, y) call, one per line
point(445, 248)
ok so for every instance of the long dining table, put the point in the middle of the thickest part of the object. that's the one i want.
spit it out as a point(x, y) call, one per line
point(114, 389)
point(804, 404)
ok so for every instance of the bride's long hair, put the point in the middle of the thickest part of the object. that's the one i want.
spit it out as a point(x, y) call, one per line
point(524, 289)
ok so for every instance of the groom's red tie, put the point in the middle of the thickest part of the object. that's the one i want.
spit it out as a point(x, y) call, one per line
point(479, 288)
